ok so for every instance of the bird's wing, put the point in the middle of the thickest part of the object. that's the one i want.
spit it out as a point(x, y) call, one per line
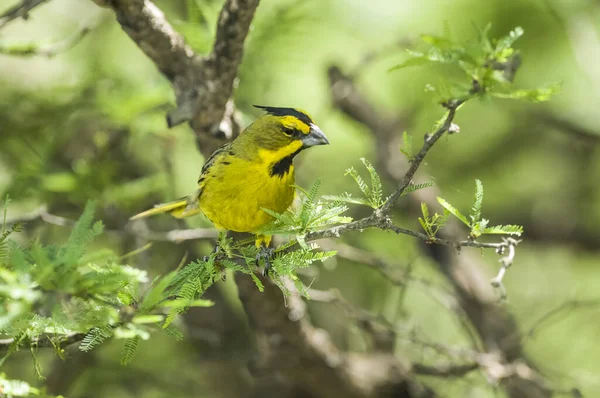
point(210, 162)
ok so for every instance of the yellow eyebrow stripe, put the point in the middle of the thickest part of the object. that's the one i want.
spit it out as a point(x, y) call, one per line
point(293, 122)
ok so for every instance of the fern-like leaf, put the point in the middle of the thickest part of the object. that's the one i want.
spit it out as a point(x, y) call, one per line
point(454, 211)
point(376, 191)
point(156, 293)
point(309, 202)
point(362, 185)
point(477, 203)
point(347, 198)
point(407, 145)
point(95, 337)
point(415, 187)
point(173, 332)
point(129, 348)
point(81, 234)
point(504, 229)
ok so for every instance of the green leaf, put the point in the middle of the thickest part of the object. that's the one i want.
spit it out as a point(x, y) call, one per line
point(416, 59)
point(59, 182)
point(415, 187)
point(187, 303)
point(477, 203)
point(81, 235)
point(504, 229)
point(362, 185)
point(173, 332)
point(156, 292)
point(95, 337)
point(129, 349)
point(376, 187)
point(453, 210)
point(425, 220)
point(507, 41)
point(347, 198)
point(534, 95)
point(147, 319)
point(425, 210)
point(309, 202)
point(257, 282)
point(407, 147)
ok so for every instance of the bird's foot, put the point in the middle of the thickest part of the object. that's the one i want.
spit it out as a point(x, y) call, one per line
point(265, 253)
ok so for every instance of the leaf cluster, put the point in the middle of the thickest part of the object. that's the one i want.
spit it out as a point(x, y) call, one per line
point(310, 214)
point(488, 66)
point(477, 224)
point(373, 194)
point(53, 292)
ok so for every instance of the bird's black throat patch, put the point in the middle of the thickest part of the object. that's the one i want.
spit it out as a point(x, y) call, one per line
point(282, 167)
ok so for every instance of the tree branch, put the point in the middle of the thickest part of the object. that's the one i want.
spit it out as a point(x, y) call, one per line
point(147, 26)
point(137, 229)
point(444, 369)
point(45, 341)
point(415, 162)
point(221, 66)
point(290, 346)
point(203, 85)
point(495, 326)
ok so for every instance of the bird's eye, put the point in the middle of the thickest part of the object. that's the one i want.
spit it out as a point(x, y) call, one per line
point(288, 131)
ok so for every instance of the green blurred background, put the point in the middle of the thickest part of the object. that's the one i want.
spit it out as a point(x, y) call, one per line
point(90, 123)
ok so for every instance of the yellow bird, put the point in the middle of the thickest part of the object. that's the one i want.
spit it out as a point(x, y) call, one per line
point(252, 172)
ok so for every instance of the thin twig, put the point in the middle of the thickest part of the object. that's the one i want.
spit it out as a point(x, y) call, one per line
point(175, 235)
point(20, 10)
point(416, 161)
point(380, 221)
point(447, 369)
point(381, 331)
point(564, 307)
point(47, 51)
point(397, 275)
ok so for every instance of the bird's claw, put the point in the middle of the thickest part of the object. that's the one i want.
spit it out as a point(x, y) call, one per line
point(265, 253)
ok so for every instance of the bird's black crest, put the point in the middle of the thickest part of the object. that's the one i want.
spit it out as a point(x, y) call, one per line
point(287, 112)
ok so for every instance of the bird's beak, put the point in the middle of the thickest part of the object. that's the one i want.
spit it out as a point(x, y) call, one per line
point(315, 137)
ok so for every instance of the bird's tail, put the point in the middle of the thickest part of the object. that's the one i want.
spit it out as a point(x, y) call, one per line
point(179, 208)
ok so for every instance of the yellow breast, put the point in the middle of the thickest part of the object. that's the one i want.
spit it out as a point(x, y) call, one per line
point(235, 190)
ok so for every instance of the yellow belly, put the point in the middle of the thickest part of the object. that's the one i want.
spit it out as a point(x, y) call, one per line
point(233, 195)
